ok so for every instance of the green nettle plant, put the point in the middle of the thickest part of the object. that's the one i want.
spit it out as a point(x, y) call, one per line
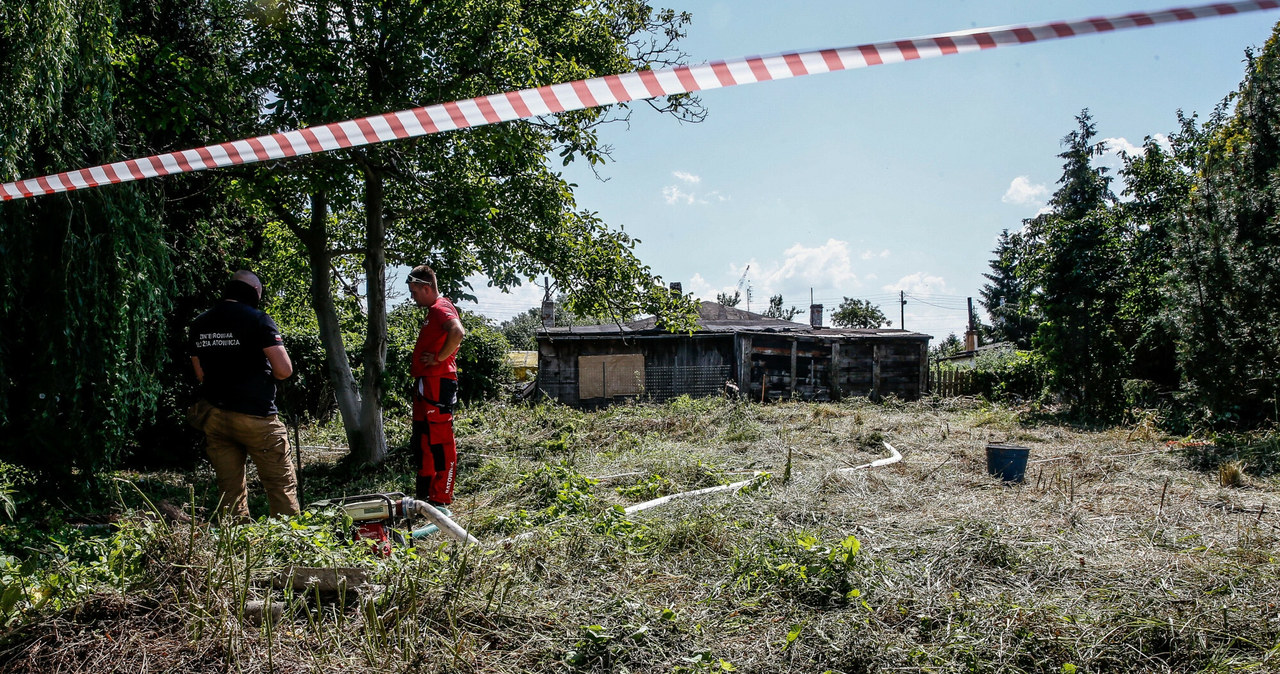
point(802, 567)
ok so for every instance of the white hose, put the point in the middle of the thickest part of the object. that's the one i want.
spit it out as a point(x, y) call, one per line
point(439, 519)
point(697, 492)
point(655, 502)
point(893, 458)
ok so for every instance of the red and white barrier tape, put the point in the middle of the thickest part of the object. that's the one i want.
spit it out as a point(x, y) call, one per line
point(597, 91)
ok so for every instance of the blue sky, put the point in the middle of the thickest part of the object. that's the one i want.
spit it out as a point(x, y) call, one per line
point(898, 177)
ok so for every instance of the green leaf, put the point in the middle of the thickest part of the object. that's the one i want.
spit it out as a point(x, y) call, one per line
point(792, 635)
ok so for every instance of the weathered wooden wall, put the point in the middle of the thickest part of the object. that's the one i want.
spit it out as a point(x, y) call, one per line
point(765, 366)
point(776, 367)
point(673, 364)
point(825, 367)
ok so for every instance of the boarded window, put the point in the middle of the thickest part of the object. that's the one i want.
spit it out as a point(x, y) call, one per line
point(609, 376)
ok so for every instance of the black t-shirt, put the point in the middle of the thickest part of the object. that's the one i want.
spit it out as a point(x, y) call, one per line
point(229, 339)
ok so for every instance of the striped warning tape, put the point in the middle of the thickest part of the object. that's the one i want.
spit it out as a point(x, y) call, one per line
point(597, 91)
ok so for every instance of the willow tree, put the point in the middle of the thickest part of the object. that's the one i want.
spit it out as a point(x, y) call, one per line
point(482, 201)
point(89, 280)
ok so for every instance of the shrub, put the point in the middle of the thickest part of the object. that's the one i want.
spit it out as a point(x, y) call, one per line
point(308, 394)
point(482, 365)
point(1010, 375)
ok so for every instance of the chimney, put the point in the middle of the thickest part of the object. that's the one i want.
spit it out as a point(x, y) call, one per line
point(971, 335)
point(815, 315)
point(548, 313)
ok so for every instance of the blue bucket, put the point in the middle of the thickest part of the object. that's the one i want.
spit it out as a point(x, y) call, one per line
point(1007, 462)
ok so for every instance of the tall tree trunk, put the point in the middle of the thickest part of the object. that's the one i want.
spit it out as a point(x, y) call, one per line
point(373, 445)
point(316, 242)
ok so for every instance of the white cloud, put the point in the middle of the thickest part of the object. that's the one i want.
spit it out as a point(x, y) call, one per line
point(702, 289)
point(1117, 145)
point(1113, 161)
point(827, 269)
point(930, 310)
point(1022, 191)
point(672, 194)
point(871, 254)
point(686, 192)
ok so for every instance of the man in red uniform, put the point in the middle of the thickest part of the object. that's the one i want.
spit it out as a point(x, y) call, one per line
point(435, 389)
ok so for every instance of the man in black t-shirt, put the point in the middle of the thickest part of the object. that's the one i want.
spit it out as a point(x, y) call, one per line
point(238, 357)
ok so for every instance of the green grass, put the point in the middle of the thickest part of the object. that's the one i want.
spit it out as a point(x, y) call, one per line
point(1117, 554)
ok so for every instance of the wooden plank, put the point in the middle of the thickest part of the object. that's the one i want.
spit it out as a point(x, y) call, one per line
point(875, 372)
point(794, 346)
point(834, 373)
point(786, 352)
point(611, 375)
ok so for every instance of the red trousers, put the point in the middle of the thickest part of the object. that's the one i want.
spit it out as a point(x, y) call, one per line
point(435, 451)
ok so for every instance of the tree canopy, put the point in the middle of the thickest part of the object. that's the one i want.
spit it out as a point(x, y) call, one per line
point(482, 201)
point(854, 313)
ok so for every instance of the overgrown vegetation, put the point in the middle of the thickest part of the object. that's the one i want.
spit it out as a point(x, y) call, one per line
point(1174, 285)
point(1122, 551)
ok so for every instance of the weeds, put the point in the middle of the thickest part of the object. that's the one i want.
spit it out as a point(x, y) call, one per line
point(801, 567)
point(1098, 565)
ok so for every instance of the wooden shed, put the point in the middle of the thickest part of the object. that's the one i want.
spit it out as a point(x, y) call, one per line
point(764, 358)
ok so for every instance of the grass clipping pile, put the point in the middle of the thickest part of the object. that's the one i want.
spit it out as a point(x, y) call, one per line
point(1114, 555)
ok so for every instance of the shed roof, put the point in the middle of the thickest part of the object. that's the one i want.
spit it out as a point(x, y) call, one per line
point(714, 317)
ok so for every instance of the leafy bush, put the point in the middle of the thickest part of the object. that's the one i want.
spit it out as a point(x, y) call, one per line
point(1009, 375)
point(1140, 393)
point(308, 394)
point(482, 364)
point(802, 567)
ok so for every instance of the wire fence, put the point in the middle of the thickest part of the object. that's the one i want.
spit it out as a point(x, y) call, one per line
point(663, 383)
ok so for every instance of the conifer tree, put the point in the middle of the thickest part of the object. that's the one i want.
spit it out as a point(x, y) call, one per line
point(1005, 296)
point(1075, 253)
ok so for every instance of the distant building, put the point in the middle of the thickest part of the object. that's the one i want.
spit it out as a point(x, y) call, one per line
point(763, 358)
point(524, 364)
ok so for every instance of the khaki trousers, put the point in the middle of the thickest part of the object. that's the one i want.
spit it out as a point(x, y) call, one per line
point(233, 437)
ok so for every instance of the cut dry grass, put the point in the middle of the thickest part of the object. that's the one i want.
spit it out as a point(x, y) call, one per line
point(1114, 555)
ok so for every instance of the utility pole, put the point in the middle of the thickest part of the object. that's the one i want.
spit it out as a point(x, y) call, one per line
point(902, 309)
